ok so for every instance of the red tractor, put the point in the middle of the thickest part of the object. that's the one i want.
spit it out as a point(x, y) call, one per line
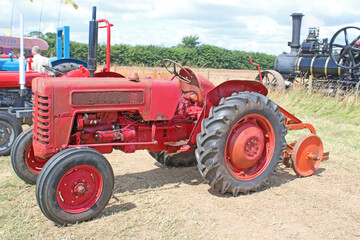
point(233, 131)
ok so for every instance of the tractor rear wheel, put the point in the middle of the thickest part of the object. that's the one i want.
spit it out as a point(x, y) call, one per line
point(23, 160)
point(10, 128)
point(74, 185)
point(66, 67)
point(174, 159)
point(241, 143)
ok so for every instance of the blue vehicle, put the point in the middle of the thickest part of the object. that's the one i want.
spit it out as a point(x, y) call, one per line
point(9, 48)
point(16, 106)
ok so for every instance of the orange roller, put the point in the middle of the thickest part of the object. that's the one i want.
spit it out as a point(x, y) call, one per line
point(307, 155)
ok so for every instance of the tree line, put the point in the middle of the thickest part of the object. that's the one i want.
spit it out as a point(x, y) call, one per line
point(189, 52)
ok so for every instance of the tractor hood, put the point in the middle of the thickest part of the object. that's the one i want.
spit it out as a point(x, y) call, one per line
point(154, 99)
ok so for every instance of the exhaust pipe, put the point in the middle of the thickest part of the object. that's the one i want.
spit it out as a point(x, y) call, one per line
point(22, 80)
point(93, 41)
point(295, 43)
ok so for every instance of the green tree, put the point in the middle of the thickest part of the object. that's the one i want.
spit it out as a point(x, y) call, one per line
point(190, 41)
point(35, 34)
point(188, 52)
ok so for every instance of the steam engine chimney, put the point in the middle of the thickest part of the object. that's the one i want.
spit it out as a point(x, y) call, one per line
point(295, 43)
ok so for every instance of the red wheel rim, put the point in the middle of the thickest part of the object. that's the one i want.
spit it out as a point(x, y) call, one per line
point(79, 189)
point(250, 147)
point(35, 164)
point(307, 155)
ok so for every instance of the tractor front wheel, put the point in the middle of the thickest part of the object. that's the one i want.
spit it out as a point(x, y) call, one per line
point(74, 185)
point(241, 143)
point(23, 160)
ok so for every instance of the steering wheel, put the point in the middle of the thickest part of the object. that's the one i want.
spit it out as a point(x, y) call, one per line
point(349, 52)
point(168, 64)
point(55, 71)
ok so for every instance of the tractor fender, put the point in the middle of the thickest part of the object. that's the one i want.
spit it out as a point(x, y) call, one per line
point(225, 89)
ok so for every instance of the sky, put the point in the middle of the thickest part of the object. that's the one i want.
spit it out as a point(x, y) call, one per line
point(254, 26)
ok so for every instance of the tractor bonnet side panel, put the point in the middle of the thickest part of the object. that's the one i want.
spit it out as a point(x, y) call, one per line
point(165, 96)
point(58, 100)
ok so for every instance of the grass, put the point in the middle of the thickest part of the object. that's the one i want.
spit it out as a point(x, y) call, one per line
point(341, 109)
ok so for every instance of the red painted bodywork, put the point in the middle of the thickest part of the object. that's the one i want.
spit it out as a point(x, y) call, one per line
point(110, 112)
point(225, 89)
point(106, 113)
point(60, 104)
point(11, 79)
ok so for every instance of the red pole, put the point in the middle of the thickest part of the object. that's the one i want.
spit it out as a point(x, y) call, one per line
point(258, 66)
point(108, 26)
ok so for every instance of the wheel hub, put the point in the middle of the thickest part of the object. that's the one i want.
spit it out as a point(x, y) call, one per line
point(80, 189)
point(252, 147)
point(246, 145)
point(4, 135)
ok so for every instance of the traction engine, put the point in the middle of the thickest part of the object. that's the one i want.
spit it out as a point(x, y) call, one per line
point(332, 65)
point(234, 133)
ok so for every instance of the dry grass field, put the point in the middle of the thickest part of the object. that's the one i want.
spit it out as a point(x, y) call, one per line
point(151, 201)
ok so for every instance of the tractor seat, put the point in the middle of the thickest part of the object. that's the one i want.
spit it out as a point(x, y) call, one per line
point(192, 91)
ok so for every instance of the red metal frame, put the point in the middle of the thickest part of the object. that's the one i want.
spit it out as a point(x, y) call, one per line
point(293, 123)
point(108, 46)
point(258, 67)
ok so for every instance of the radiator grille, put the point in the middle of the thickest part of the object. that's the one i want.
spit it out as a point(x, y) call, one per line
point(107, 98)
point(41, 119)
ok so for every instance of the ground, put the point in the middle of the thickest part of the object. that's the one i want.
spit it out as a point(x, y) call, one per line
point(151, 201)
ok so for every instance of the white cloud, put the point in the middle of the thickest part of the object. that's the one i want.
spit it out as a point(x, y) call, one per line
point(258, 25)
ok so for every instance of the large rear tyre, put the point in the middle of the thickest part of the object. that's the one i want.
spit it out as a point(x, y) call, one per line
point(10, 128)
point(66, 67)
point(23, 160)
point(75, 185)
point(174, 159)
point(241, 143)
